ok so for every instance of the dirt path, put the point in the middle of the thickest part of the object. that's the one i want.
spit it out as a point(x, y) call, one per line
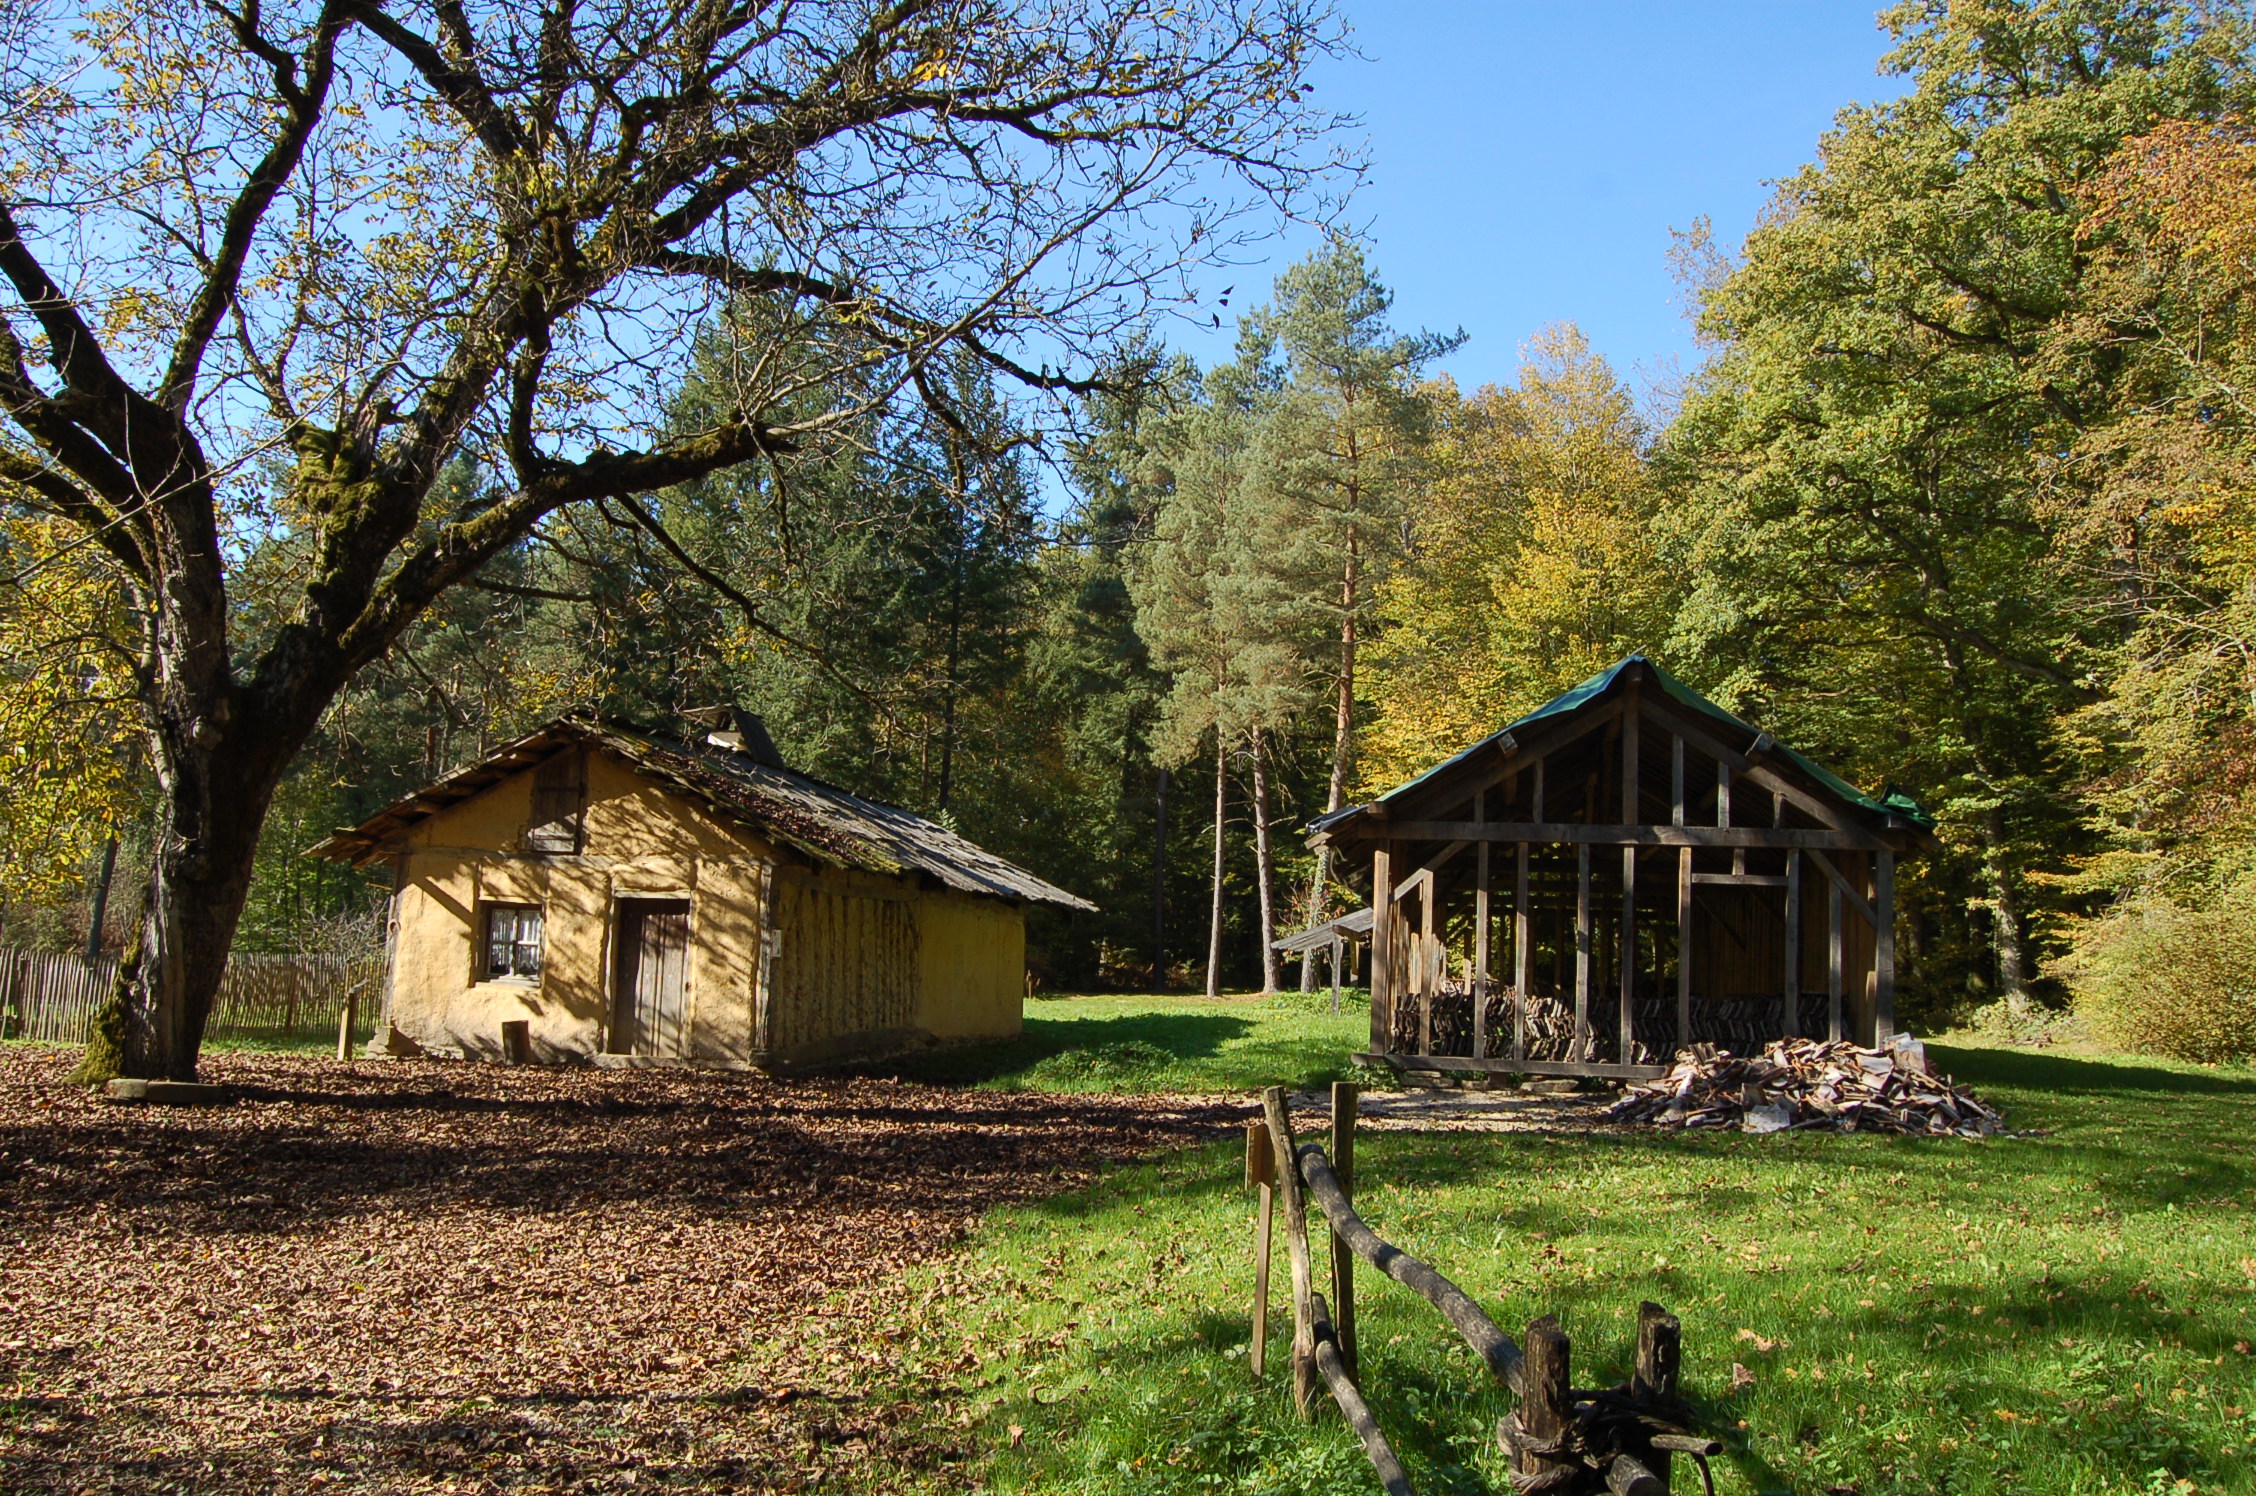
point(420, 1277)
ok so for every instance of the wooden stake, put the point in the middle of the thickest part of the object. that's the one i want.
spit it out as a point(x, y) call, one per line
point(347, 1021)
point(1261, 1176)
point(1296, 1251)
point(1345, 1097)
point(1660, 1357)
point(1545, 1407)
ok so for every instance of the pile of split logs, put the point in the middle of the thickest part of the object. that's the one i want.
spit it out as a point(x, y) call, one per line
point(1806, 1084)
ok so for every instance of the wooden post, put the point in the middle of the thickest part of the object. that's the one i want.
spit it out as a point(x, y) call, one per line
point(1337, 943)
point(1884, 945)
point(1523, 966)
point(1629, 956)
point(1791, 1024)
point(1428, 953)
point(1546, 1409)
point(1683, 947)
point(1296, 1252)
point(346, 1024)
point(1345, 1095)
point(1660, 1357)
point(1834, 960)
point(1480, 937)
point(1382, 955)
point(1582, 951)
point(1676, 779)
point(1261, 1178)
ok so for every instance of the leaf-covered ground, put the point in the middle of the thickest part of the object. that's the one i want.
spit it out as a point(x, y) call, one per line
point(414, 1276)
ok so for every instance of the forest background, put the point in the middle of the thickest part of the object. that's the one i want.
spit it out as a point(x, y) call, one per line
point(1958, 502)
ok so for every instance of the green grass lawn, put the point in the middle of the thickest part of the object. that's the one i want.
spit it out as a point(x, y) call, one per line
point(1162, 1043)
point(2066, 1313)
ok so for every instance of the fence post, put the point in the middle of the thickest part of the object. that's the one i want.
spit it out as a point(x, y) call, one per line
point(1296, 1251)
point(1660, 1359)
point(1261, 1177)
point(346, 1023)
point(1546, 1411)
point(1345, 1095)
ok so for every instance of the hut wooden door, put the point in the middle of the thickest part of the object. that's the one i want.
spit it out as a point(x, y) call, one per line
point(650, 1016)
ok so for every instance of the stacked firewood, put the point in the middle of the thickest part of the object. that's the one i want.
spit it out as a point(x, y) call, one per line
point(1806, 1084)
point(1550, 1024)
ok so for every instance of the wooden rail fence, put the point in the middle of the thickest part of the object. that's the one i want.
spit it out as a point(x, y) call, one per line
point(1563, 1440)
point(278, 998)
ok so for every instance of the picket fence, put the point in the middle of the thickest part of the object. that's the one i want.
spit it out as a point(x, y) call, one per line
point(280, 998)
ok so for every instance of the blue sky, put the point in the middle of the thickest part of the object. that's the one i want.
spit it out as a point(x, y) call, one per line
point(1528, 160)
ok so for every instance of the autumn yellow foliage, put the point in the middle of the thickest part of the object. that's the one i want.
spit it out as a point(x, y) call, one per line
point(1534, 563)
point(66, 694)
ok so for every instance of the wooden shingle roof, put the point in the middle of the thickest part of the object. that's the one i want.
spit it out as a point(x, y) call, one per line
point(821, 822)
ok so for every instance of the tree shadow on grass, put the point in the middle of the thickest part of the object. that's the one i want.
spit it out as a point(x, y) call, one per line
point(2074, 1075)
point(1178, 1037)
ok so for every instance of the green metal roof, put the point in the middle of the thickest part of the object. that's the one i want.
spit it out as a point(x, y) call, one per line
point(1888, 803)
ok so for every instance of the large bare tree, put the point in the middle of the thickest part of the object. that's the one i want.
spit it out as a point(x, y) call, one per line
point(269, 267)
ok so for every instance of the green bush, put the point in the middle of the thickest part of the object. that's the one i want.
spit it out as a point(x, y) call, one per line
point(2160, 978)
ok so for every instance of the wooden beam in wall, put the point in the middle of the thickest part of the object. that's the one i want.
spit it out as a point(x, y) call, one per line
point(1429, 949)
point(1843, 888)
point(1884, 945)
point(1582, 952)
point(1741, 880)
point(1633, 723)
point(1834, 959)
point(1684, 947)
point(1792, 996)
point(1382, 946)
point(1568, 832)
point(1521, 974)
point(1480, 939)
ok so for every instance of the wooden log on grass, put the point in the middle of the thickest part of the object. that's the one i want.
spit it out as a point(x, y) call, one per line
point(1296, 1252)
point(1392, 1477)
point(1492, 1345)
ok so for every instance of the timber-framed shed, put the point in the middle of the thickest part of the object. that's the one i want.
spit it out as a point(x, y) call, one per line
point(1626, 870)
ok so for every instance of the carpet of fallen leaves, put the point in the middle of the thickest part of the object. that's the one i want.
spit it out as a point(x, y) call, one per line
point(414, 1276)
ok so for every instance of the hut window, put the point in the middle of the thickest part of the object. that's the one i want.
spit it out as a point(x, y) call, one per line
point(513, 942)
point(559, 803)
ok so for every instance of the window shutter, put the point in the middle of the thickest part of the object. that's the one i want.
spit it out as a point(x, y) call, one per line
point(559, 803)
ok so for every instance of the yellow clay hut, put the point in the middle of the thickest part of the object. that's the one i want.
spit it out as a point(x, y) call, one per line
point(633, 900)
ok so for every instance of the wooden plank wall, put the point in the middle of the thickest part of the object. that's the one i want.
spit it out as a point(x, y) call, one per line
point(846, 964)
point(51, 997)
